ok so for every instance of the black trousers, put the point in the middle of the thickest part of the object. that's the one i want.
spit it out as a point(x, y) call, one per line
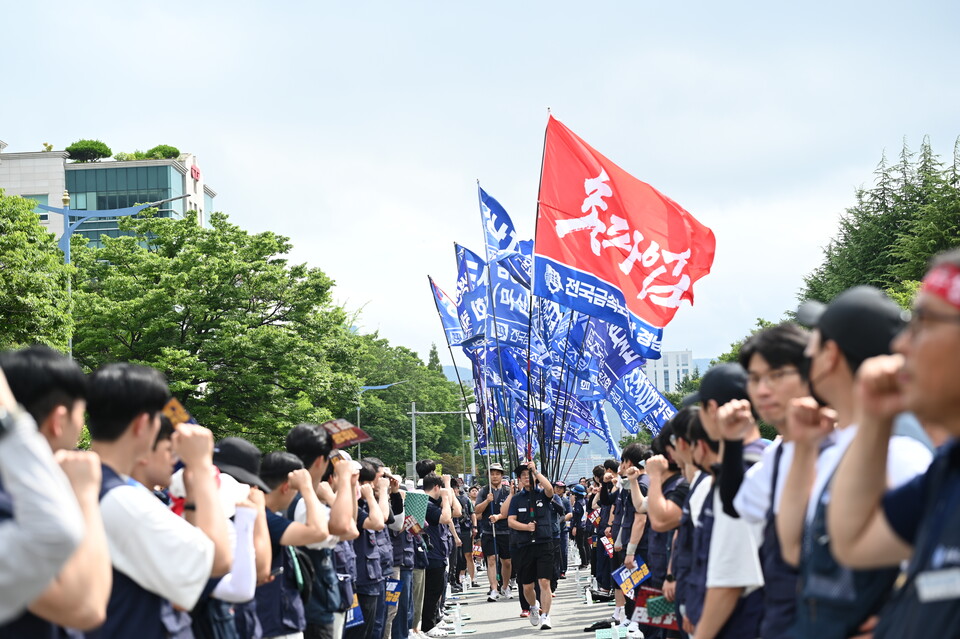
point(434, 583)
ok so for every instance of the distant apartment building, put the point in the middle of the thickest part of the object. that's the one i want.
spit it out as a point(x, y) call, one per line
point(671, 368)
point(43, 176)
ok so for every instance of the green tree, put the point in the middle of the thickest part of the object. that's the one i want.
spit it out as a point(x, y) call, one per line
point(88, 151)
point(164, 152)
point(433, 359)
point(384, 413)
point(250, 343)
point(689, 384)
point(33, 279)
point(887, 237)
point(643, 436)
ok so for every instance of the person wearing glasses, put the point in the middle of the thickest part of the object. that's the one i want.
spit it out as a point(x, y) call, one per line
point(773, 359)
point(835, 601)
point(873, 526)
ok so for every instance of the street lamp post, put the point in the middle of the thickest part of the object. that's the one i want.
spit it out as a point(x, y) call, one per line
point(83, 216)
point(364, 389)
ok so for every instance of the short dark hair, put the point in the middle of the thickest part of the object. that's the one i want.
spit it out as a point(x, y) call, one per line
point(378, 464)
point(277, 466)
point(780, 345)
point(166, 430)
point(425, 467)
point(680, 422)
point(309, 442)
point(633, 453)
point(612, 465)
point(42, 379)
point(368, 471)
point(598, 472)
point(118, 393)
point(431, 481)
point(662, 441)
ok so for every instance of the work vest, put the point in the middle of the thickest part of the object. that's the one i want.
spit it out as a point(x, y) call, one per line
point(344, 562)
point(132, 610)
point(658, 543)
point(934, 558)
point(744, 621)
point(214, 619)
point(780, 578)
point(325, 594)
point(683, 548)
point(533, 506)
point(279, 606)
point(369, 570)
point(402, 549)
point(438, 536)
point(834, 600)
point(493, 508)
point(697, 581)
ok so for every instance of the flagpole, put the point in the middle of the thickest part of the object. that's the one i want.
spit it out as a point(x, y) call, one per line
point(533, 272)
point(453, 360)
point(493, 313)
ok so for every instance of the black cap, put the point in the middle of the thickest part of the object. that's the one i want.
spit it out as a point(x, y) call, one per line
point(861, 320)
point(723, 383)
point(240, 459)
point(690, 399)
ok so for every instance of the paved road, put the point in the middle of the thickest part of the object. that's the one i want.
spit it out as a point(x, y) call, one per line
point(570, 615)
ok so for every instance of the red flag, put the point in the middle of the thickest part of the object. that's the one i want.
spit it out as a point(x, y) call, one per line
point(598, 219)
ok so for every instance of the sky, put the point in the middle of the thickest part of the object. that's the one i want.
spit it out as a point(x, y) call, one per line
point(359, 130)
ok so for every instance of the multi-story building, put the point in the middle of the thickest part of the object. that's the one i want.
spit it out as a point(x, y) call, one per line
point(670, 369)
point(43, 176)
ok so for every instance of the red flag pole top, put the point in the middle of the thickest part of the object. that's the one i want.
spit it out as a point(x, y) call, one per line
point(598, 219)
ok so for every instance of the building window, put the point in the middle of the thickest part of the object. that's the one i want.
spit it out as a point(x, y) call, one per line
point(666, 381)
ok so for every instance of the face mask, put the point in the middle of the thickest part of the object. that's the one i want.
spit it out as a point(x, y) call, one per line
point(805, 365)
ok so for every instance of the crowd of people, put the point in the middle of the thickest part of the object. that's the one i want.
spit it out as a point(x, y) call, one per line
point(846, 524)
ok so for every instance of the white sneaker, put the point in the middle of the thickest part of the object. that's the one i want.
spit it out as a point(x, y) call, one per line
point(510, 592)
point(633, 631)
point(446, 625)
point(448, 619)
point(535, 614)
point(436, 632)
point(545, 622)
point(493, 595)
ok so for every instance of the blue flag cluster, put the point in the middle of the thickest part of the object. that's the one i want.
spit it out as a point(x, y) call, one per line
point(543, 373)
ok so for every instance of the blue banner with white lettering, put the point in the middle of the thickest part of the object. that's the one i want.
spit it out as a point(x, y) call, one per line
point(500, 235)
point(448, 315)
point(591, 295)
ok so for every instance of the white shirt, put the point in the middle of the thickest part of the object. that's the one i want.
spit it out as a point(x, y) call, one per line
point(160, 551)
point(734, 560)
point(906, 458)
point(699, 496)
point(47, 525)
point(300, 515)
point(753, 497)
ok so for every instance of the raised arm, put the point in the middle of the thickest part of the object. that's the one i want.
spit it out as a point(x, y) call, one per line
point(315, 529)
point(664, 514)
point(860, 535)
point(807, 426)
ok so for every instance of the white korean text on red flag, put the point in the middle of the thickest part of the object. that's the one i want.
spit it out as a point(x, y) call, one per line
point(611, 246)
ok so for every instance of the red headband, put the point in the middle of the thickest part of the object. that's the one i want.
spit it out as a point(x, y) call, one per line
point(944, 282)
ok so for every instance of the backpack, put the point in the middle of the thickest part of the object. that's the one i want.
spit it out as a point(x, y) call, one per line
point(303, 571)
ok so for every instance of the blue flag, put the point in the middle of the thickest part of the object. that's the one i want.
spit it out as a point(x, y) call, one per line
point(498, 229)
point(509, 322)
point(470, 270)
point(448, 315)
